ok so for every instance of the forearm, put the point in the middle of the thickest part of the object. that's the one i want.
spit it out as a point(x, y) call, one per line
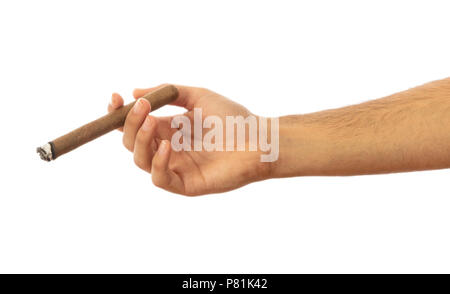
point(406, 131)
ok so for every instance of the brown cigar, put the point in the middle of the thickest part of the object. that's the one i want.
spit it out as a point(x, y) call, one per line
point(103, 125)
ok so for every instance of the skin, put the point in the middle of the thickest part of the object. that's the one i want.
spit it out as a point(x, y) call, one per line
point(187, 172)
point(407, 131)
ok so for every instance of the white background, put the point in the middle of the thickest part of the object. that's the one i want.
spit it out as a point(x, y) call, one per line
point(93, 211)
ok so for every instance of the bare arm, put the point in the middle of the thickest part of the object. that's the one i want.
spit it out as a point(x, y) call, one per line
point(403, 132)
point(406, 131)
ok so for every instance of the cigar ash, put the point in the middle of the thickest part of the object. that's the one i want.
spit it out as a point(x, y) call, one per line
point(45, 152)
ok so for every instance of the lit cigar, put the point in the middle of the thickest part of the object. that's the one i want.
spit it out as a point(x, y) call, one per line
point(103, 125)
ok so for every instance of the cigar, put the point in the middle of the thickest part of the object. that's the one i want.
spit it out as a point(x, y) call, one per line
point(103, 125)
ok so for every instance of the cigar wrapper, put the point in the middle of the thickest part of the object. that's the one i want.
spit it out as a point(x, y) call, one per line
point(103, 125)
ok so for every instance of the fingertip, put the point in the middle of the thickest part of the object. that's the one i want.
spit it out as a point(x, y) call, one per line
point(114, 96)
point(141, 107)
point(146, 103)
point(137, 93)
point(116, 100)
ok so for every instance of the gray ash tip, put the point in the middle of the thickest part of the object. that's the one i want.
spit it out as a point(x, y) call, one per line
point(45, 152)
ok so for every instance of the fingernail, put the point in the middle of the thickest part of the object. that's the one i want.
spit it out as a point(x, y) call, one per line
point(138, 106)
point(147, 124)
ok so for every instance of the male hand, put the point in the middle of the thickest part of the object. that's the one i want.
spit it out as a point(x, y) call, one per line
point(187, 172)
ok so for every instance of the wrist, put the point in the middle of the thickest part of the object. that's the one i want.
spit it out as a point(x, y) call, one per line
point(297, 149)
point(274, 154)
point(288, 139)
point(303, 148)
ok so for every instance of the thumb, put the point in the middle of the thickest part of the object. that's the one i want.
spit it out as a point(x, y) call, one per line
point(187, 96)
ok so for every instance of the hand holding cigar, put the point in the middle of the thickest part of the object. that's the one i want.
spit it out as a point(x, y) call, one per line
point(406, 131)
point(103, 125)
